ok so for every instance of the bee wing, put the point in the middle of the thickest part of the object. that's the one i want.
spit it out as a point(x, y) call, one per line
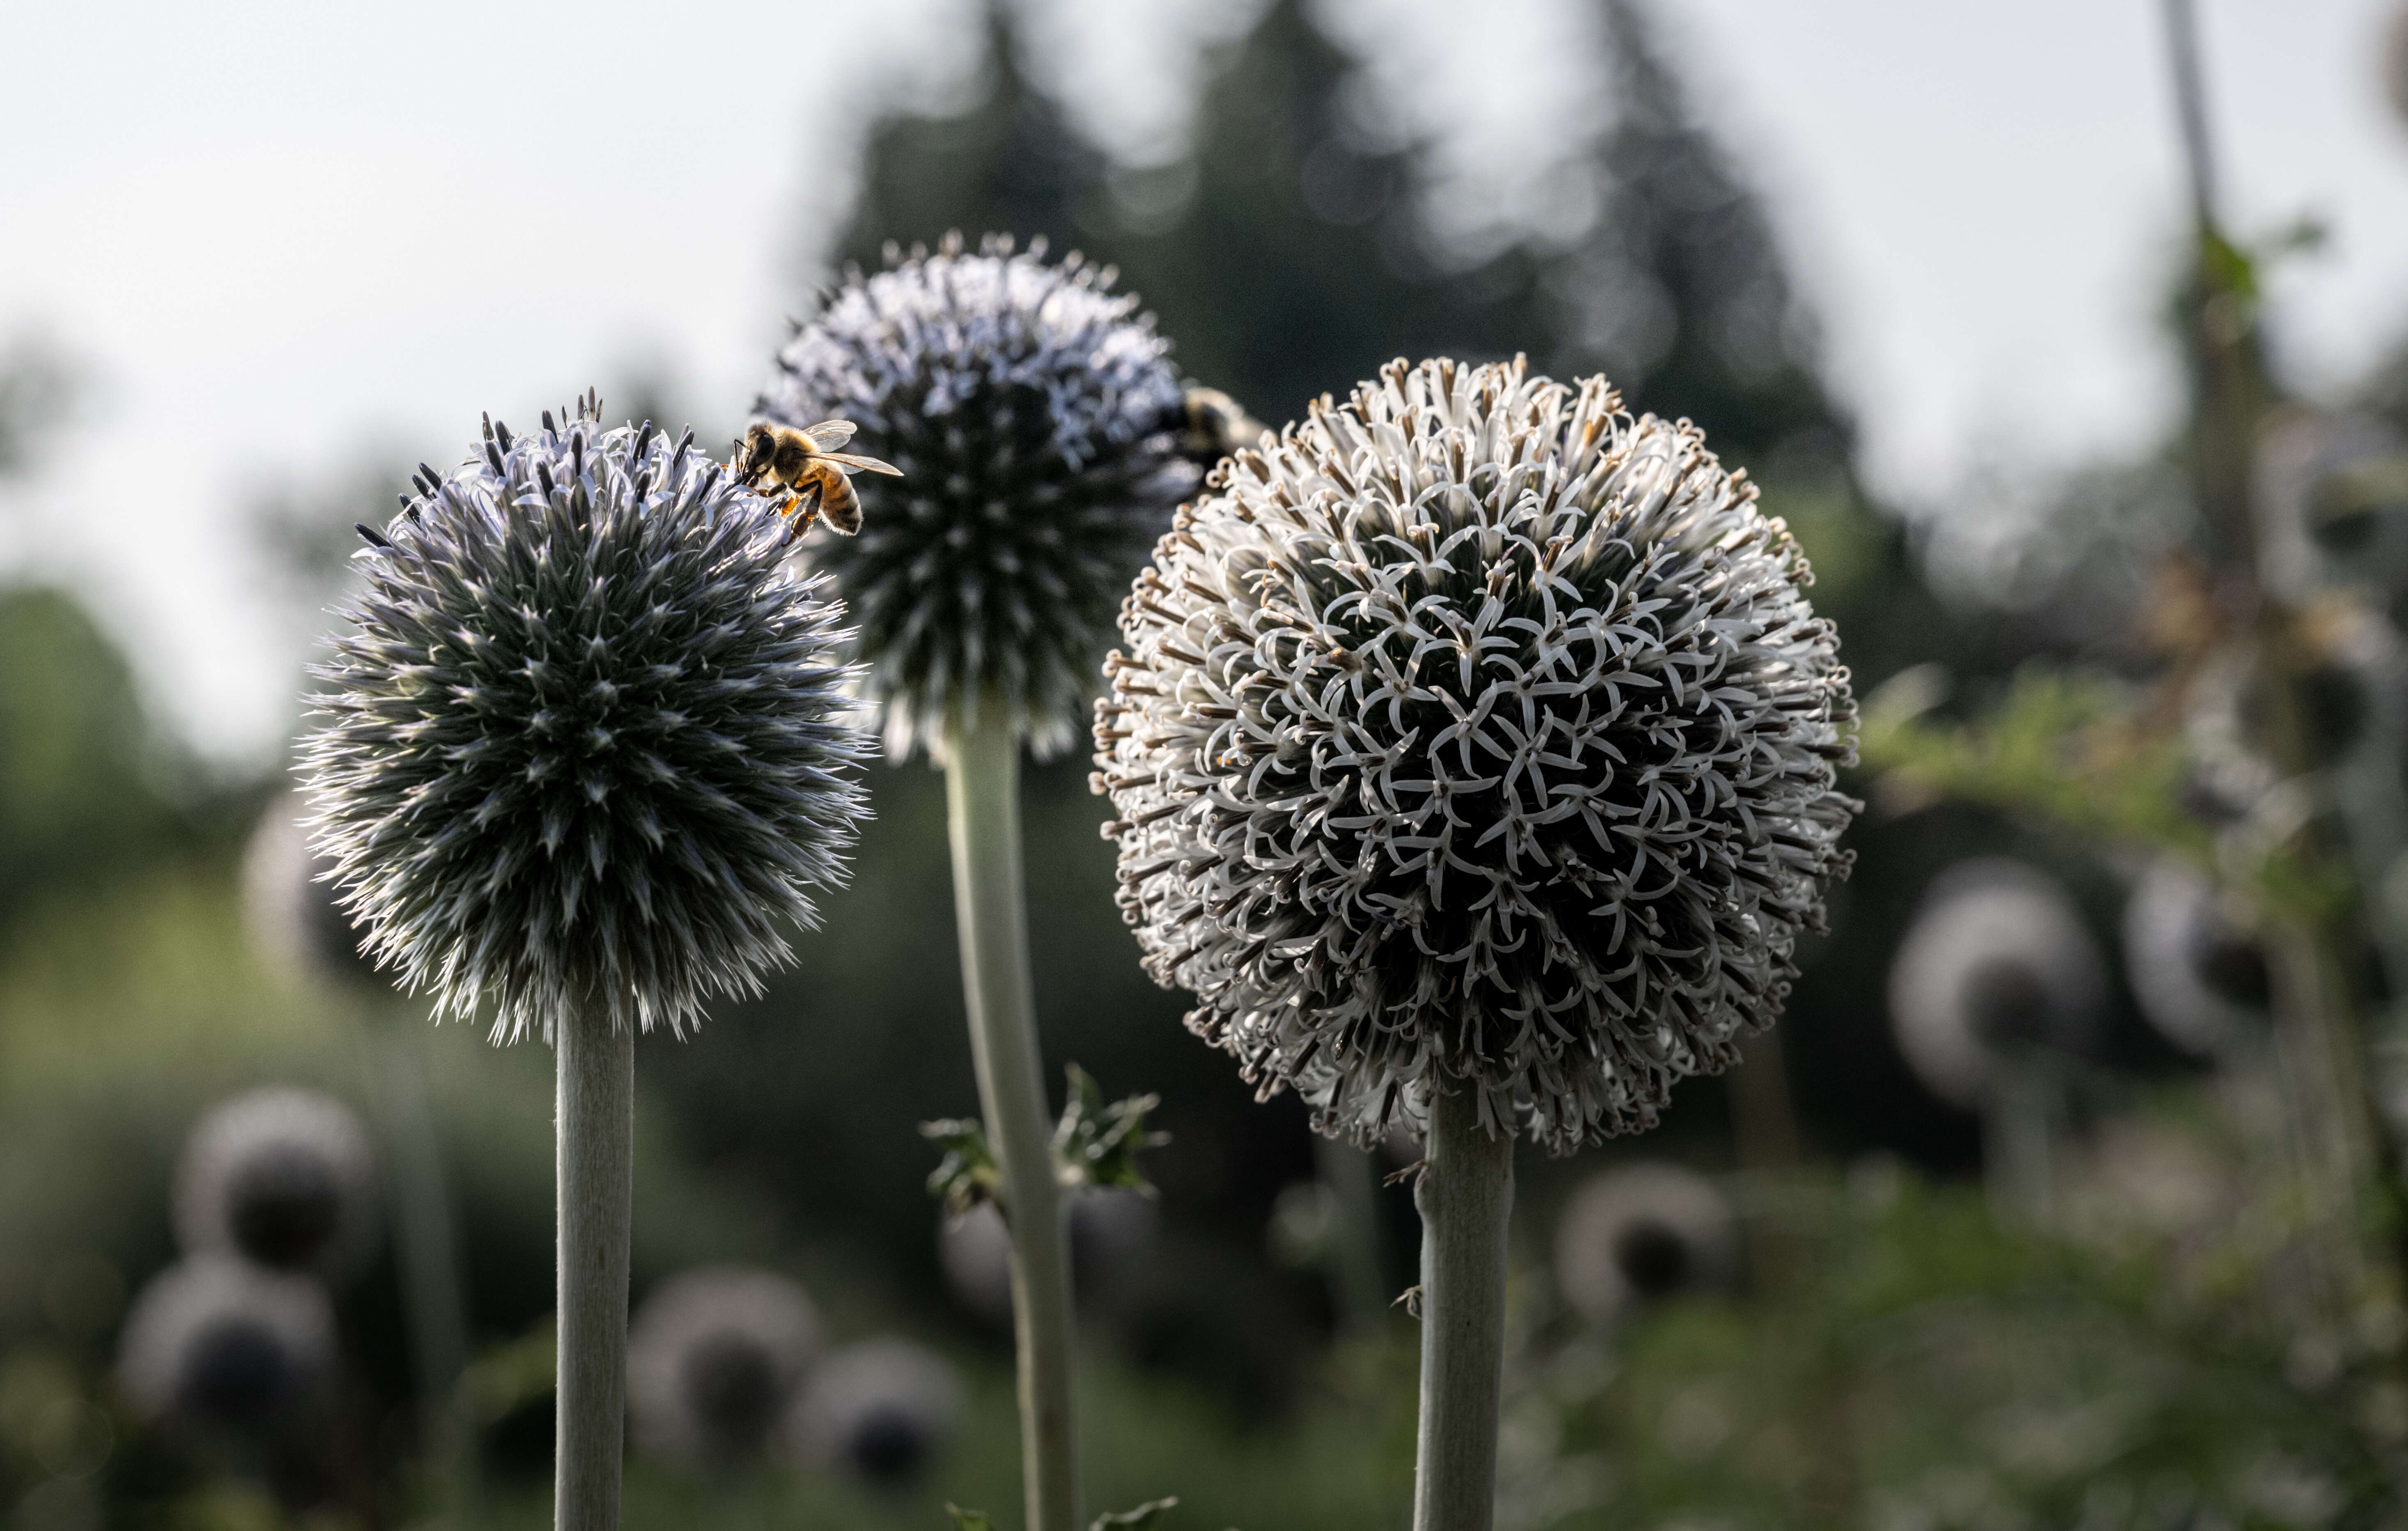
point(854, 464)
point(828, 435)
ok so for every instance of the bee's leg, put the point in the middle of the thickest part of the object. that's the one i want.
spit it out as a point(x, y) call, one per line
point(806, 507)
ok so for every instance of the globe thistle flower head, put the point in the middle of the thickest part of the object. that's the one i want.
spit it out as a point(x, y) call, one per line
point(1641, 1234)
point(879, 1409)
point(1476, 735)
point(1035, 417)
point(1997, 965)
point(226, 1349)
point(587, 741)
point(281, 1177)
point(715, 1358)
point(2198, 974)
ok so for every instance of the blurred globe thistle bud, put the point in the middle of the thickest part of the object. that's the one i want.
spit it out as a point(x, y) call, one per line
point(294, 919)
point(227, 1352)
point(1107, 1226)
point(880, 1408)
point(715, 1358)
point(1642, 1233)
point(1034, 415)
point(279, 1176)
point(2198, 976)
point(587, 741)
point(1997, 965)
point(1476, 735)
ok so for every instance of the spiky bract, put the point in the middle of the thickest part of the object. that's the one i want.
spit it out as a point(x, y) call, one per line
point(1032, 412)
point(588, 744)
point(1476, 735)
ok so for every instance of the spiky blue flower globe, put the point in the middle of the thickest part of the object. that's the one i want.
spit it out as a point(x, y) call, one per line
point(1476, 737)
point(588, 745)
point(1034, 414)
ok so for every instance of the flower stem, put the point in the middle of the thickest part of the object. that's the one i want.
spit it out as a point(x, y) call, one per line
point(595, 1164)
point(1466, 1197)
point(982, 803)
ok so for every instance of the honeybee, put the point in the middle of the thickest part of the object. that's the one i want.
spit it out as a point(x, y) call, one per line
point(808, 466)
point(1213, 425)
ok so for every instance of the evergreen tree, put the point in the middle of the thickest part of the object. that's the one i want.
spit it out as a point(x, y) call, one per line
point(1679, 291)
point(1010, 163)
point(1298, 264)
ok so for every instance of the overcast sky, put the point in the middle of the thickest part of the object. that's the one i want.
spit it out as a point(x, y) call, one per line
point(282, 236)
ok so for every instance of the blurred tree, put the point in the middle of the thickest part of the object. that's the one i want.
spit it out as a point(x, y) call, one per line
point(1295, 262)
point(80, 773)
point(1679, 290)
point(1008, 164)
point(37, 387)
point(79, 799)
point(1284, 213)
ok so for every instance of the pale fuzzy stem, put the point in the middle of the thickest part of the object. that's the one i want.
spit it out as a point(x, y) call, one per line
point(1466, 1197)
point(981, 798)
point(595, 1164)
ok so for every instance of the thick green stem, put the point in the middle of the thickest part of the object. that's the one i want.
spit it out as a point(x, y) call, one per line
point(1466, 1197)
point(594, 1165)
point(982, 796)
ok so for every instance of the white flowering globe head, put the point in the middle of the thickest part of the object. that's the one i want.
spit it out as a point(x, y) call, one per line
point(1033, 413)
point(879, 1409)
point(715, 1356)
point(1997, 968)
point(588, 742)
point(2198, 974)
point(1475, 736)
point(1642, 1233)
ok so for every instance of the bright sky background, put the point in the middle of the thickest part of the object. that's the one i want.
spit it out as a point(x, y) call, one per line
point(282, 236)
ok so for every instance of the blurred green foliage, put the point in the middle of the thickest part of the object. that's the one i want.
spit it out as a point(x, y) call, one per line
point(82, 778)
point(2069, 750)
point(1922, 1367)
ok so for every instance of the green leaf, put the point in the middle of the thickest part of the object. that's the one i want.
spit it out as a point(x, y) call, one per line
point(2071, 749)
point(968, 1520)
point(2228, 267)
point(1097, 1145)
point(1142, 1518)
point(967, 1174)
